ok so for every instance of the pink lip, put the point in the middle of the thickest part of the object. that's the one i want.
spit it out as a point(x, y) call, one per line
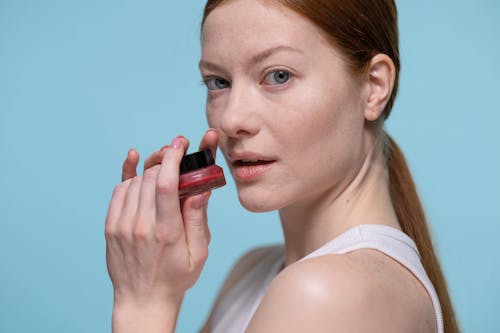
point(248, 155)
point(249, 171)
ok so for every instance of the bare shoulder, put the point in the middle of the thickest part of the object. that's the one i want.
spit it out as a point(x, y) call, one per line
point(245, 263)
point(242, 266)
point(363, 291)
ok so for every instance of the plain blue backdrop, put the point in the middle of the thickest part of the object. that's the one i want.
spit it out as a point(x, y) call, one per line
point(82, 81)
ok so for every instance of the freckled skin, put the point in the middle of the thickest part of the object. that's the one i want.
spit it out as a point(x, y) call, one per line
point(314, 121)
point(328, 173)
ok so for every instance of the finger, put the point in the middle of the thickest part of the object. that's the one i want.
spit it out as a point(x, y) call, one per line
point(209, 141)
point(186, 144)
point(207, 230)
point(146, 210)
point(129, 169)
point(194, 213)
point(155, 158)
point(115, 207)
point(208, 235)
point(167, 185)
point(129, 211)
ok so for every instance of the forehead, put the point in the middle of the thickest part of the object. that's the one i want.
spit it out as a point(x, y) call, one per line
point(247, 26)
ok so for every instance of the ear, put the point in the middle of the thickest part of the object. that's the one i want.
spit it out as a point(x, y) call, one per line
point(381, 76)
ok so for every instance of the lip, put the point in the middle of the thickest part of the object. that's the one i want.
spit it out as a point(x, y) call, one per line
point(249, 171)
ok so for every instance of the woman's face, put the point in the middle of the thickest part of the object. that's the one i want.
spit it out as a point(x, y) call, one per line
point(289, 114)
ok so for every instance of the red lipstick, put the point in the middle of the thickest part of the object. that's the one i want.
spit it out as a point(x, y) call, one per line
point(199, 173)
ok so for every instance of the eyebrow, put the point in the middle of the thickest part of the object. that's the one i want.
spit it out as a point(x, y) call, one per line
point(255, 59)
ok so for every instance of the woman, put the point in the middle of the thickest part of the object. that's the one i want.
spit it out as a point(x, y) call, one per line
point(298, 92)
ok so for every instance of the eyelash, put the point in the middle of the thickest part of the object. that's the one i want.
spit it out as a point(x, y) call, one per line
point(210, 81)
point(274, 72)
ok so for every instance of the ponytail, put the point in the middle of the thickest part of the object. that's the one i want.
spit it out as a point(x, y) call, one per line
point(413, 222)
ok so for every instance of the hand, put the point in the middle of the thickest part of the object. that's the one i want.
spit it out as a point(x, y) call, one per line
point(209, 141)
point(156, 245)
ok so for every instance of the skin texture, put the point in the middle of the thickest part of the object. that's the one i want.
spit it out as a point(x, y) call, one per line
point(321, 119)
point(156, 245)
point(277, 91)
point(325, 111)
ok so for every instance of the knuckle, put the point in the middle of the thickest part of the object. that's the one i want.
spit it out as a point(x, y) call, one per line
point(172, 157)
point(140, 234)
point(141, 230)
point(168, 236)
point(201, 257)
point(122, 233)
point(150, 174)
point(166, 186)
point(109, 233)
point(120, 189)
point(198, 224)
point(209, 236)
point(136, 180)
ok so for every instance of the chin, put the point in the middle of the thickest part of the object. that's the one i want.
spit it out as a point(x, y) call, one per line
point(258, 202)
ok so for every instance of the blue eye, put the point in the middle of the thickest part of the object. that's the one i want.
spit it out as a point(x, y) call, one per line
point(277, 77)
point(216, 83)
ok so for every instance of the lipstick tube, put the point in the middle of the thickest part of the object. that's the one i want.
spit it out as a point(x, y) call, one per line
point(199, 173)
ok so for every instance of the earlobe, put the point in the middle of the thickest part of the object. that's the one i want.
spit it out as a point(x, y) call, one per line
point(381, 76)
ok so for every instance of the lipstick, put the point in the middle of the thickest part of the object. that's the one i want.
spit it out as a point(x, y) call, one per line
point(199, 173)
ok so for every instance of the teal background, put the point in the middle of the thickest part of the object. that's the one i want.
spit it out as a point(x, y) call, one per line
point(82, 81)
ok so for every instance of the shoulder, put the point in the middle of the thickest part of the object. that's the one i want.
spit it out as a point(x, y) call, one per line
point(247, 262)
point(363, 291)
point(241, 268)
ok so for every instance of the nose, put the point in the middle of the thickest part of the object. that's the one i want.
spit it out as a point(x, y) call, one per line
point(240, 116)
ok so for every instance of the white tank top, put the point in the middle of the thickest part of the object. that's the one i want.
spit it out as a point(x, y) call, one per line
point(235, 310)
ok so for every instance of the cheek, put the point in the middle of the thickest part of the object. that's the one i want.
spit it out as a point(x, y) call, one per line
point(325, 134)
point(210, 119)
point(316, 116)
point(213, 114)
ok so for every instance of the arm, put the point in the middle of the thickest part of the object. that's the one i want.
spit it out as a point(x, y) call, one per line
point(149, 318)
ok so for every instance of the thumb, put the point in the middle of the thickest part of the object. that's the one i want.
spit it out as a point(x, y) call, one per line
point(209, 141)
point(194, 213)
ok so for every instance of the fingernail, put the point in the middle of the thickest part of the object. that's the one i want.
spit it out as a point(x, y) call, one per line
point(176, 142)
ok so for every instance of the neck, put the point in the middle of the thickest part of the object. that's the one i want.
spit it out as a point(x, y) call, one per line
point(363, 199)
